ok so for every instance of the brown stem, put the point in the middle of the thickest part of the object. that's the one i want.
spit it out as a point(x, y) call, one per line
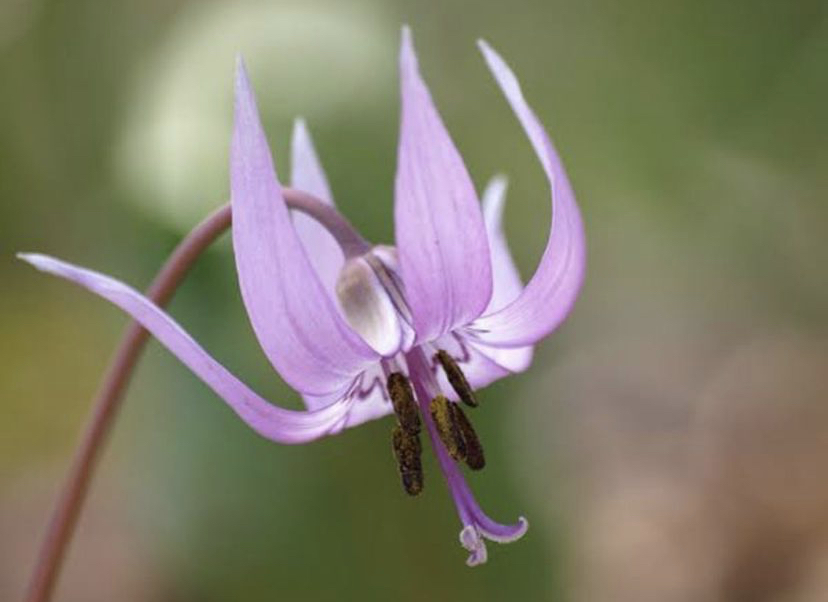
point(108, 400)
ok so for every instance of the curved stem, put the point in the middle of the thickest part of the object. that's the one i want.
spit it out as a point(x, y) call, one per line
point(349, 240)
point(108, 399)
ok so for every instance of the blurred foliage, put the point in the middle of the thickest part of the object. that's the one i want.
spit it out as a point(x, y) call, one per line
point(694, 133)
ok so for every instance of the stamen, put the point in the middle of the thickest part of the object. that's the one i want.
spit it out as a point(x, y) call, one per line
point(445, 419)
point(474, 451)
point(408, 452)
point(456, 378)
point(405, 405)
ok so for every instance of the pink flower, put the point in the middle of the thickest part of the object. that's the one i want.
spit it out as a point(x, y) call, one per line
point(363, 331)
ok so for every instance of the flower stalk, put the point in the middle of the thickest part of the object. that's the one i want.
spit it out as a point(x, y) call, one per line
point(108, 399)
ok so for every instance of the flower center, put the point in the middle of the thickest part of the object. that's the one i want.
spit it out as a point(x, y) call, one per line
point(453, 440)
point(446, 420)
point(371, 298)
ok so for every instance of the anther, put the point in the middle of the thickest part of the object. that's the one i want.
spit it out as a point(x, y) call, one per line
point(408, 452)
point(474, 451)
point(405, 406)
point(445, 419)
point(456, 378)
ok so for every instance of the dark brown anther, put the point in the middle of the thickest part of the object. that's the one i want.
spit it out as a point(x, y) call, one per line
point(446, 422)
point(456, 378)
point(474, 451)
point(408, 452)
point(405, 406)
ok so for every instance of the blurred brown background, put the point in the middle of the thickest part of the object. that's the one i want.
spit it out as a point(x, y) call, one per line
point(668, 445)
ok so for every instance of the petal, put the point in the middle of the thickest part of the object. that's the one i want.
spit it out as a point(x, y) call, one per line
point(368, 308)
point(272, 422)
point(306, 170)
point(550, 294)
point(482, 365)
point(441, 238)
point(367, 396)
point(513, 359)
point(295, 320)
point(307, 175)
point(506, 284)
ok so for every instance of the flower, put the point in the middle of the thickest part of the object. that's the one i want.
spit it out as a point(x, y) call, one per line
point(363, 331)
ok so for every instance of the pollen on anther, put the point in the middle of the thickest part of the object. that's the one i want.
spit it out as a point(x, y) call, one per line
point(447, 428)
point(456, 378)
point(474, 450)
point(405, 405)
point(408, 452)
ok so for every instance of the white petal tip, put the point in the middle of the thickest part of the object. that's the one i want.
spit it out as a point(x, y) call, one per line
point(243, 90)
point(495, 191)
point(241, 69)
point(501, 71)
point(489, 53)
point(499, 179)
point(41, 262)
point(300, 136)
point(407, 54)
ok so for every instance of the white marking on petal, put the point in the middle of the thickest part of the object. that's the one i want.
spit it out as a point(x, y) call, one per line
point(368, 307)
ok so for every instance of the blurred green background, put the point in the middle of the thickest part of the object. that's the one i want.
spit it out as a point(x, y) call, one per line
point(667, 445)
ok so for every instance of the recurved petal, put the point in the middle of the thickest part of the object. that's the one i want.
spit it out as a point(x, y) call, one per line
point(506, 284)
point(367, 396)
point(513, 359)
point(307, 175)
point(481, 364)
point(549, 296)
point(272, 422)
point(296, 321)
point(441, 237)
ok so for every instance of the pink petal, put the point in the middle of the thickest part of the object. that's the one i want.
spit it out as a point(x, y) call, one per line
point(550, 294)
point(511, 359)
point(272, 422)
point(307, 175)
point(295, 319)
point(441, 238)
point(506, 284)
point(480, 363)
point(367, 395)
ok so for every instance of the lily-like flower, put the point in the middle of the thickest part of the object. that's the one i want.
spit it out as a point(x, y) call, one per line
point(363, 331)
